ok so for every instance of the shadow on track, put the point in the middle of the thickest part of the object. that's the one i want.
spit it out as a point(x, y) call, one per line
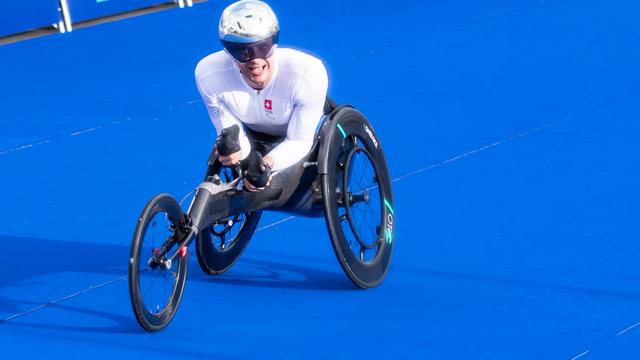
point(38, 257)
point(252, 272)
point(34, 269)
point(123, 324)
point(27, 268)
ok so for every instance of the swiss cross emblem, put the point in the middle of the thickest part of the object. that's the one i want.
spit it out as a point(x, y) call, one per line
point(268, 104)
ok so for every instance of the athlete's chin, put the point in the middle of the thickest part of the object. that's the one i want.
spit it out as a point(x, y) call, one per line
point(257, 73)
point(259, 79)
point(257, 82)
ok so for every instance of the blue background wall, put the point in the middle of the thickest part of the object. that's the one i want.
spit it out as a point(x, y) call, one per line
point(18, 16)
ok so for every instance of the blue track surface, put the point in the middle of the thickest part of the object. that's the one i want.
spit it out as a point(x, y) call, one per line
point(511, 128)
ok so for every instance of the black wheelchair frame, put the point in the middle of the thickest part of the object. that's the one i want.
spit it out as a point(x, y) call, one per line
point(319, 185)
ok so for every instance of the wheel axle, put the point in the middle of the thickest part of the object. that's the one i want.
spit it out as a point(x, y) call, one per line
point(356, 198)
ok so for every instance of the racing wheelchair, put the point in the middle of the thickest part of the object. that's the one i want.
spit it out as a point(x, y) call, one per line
point(344, 178)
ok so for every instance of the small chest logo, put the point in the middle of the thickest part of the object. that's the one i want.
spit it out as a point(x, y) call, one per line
point(268, 105)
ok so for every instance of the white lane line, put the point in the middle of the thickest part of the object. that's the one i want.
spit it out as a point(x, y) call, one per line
point(481, 149)
point(608, 338)
point(88, 130)
point(579, 356)
point(53, 302)
point(627, 329)
point(276, 223)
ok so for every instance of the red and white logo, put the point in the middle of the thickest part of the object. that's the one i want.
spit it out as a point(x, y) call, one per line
point(268, 104)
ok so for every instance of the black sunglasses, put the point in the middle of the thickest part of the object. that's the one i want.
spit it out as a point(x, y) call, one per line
point(256, 50)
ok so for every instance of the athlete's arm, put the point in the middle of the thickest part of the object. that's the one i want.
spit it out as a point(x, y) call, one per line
point(307, 112)
point(222, 118)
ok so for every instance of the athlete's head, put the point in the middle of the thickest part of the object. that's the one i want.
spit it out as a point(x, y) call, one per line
point(249, 33)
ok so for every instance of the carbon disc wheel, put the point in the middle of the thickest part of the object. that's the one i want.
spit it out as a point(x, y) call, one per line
point(358, 200)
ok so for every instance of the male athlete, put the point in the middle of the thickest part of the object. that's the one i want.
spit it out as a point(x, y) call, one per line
point(274, 96)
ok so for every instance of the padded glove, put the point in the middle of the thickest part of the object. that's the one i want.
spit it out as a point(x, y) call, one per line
point(257, 171)
point(229, 141)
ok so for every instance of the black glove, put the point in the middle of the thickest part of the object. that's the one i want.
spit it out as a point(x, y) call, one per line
point(229, 140)
point(256, 170)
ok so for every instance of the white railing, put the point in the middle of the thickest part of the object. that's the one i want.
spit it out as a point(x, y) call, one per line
point(66, 21)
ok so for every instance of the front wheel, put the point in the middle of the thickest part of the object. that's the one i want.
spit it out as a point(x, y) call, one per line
point(155, 282)
point(358, 200)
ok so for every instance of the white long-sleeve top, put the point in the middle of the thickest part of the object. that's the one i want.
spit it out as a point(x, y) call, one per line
point(291, 104)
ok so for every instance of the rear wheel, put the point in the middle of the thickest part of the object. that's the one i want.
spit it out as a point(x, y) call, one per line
point(358, 200)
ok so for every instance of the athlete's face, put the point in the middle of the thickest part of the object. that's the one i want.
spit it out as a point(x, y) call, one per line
point(257, 72)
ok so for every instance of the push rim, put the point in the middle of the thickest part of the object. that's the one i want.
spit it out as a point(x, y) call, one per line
point(225, 232)
point(362, 202)
point(220, 245)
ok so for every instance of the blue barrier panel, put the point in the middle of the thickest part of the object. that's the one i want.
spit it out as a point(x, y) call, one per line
point(23, 15)
point(90, 9)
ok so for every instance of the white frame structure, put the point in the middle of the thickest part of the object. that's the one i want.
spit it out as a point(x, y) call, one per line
point(66, 24)
point(66, 17)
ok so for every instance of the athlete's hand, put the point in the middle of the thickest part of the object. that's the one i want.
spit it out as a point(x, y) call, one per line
point(250, 187)
point(229, 160)
point(228, 146)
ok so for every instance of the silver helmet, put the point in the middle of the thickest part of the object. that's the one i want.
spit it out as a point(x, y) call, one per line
point(248, 21)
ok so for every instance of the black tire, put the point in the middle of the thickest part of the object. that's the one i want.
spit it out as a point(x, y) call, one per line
point(363, 251)
point(220, 245)
point(155, 303)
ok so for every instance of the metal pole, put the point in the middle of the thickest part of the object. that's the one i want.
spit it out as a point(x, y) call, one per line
point(60, 26)
point(66, 16)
